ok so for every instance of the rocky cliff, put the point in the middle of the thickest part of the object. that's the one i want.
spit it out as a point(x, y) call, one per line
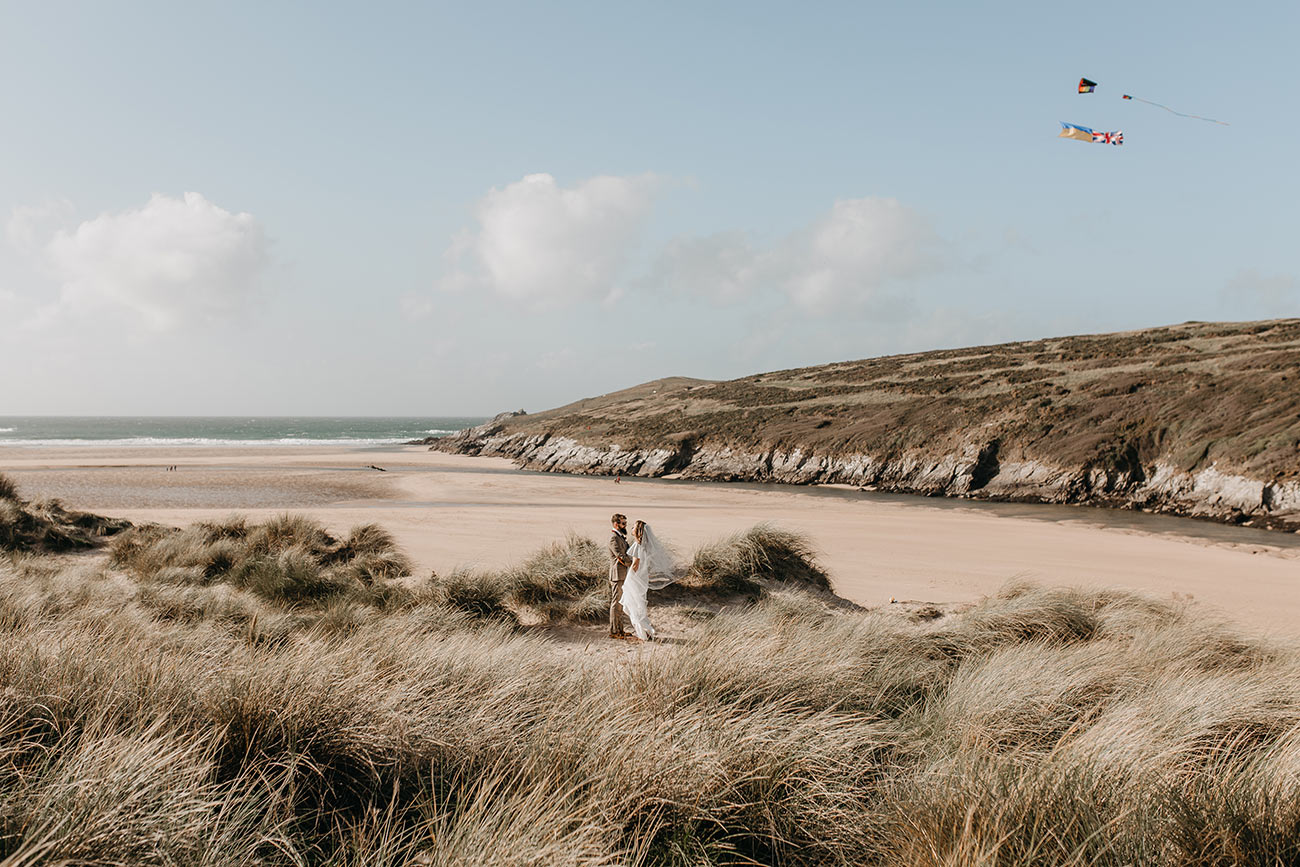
point(1197, 419)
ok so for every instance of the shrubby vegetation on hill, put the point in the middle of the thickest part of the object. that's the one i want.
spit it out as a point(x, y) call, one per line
point(207, 700)
point(1197, 419)
point(1198, 393)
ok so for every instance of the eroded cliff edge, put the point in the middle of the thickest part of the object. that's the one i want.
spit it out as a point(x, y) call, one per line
point(1199, 419)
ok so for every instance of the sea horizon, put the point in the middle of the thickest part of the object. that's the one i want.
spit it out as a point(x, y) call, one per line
point(215, 430)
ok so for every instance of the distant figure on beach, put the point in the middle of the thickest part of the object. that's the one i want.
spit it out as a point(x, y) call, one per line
point(652, 569)
point(618, 564)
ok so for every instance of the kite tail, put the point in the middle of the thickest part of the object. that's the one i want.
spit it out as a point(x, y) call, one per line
point(1179, 113)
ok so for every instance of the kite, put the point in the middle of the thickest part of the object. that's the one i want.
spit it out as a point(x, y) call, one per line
point(1086, 86)
point(1179, 113)
point(1082, 133)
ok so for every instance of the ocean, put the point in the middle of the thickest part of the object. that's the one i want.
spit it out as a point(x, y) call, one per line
point(225, 430)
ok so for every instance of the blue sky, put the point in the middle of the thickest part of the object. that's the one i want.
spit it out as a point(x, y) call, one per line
point(298, 208)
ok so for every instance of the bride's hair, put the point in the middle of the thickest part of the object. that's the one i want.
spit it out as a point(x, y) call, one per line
point(639, 530)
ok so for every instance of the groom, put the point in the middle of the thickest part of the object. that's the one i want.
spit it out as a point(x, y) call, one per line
point(618, 563)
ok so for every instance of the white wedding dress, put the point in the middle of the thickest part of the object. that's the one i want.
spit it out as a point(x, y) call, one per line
point(634, 593)
point(655, 570)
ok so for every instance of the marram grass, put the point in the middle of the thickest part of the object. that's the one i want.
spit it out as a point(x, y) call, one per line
point(48, 527)
point(176, 707)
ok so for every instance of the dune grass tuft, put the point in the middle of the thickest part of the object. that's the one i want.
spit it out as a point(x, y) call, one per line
point(48, 526)
point(476, 592)
point(289, 558)
point(564, 581)
point(763, 551)
point(564, 570)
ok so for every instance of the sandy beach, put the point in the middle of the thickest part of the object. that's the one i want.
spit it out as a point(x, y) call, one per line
point(450, 510)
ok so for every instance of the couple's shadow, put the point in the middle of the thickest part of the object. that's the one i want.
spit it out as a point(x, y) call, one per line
point(586, 634)
point(668, 639)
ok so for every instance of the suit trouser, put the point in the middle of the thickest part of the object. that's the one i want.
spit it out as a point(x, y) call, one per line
point(616, 607)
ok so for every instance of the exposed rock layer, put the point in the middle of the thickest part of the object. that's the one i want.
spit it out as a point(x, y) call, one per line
point(1198, 419)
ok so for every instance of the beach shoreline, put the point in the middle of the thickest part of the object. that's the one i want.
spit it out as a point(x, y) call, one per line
point(449, 511)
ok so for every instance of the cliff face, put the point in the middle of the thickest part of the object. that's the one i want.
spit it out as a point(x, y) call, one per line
point(1198, 419)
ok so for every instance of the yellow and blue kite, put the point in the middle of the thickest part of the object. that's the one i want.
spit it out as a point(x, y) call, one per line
point(1082, 133)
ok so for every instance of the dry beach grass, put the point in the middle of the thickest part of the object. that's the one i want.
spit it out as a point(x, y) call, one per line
point(47, 525)
point(265, 693)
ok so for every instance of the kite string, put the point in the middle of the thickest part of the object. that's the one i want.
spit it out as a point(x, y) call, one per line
point(1179, 113)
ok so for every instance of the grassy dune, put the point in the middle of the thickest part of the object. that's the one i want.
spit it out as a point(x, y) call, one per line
point(47, 526)
point(566, 581)
point(239, 693)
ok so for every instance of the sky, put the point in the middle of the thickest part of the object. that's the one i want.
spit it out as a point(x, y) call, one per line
point(282, 208)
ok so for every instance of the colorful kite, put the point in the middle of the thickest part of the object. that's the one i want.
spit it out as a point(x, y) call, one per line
point(1179, 113)
point(1082, 133)
point(1086, 86)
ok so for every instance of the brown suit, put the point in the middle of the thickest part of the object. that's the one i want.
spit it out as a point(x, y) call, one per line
point(618, 563)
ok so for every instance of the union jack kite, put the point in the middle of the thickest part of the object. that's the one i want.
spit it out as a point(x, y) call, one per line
point(1082, 133)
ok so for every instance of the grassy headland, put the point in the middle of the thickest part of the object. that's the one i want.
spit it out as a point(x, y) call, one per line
point(1200, 419)
point(242, 693)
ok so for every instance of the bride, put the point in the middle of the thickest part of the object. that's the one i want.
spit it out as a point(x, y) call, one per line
point(652, 569)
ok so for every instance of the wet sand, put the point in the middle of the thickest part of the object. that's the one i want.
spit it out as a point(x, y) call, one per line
point(450, 510)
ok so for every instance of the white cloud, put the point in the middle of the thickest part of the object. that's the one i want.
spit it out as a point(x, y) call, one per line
point(28, 226)
point(1266, 294)
point(171, 262)
point(723, 266)
point(851, 256)
point(544, 245)
point(541, 245)
point(860, 247)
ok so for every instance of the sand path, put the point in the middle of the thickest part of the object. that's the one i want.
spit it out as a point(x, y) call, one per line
point(450, 510)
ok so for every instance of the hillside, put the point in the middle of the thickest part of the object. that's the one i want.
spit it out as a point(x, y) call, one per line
point(1199, 419)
